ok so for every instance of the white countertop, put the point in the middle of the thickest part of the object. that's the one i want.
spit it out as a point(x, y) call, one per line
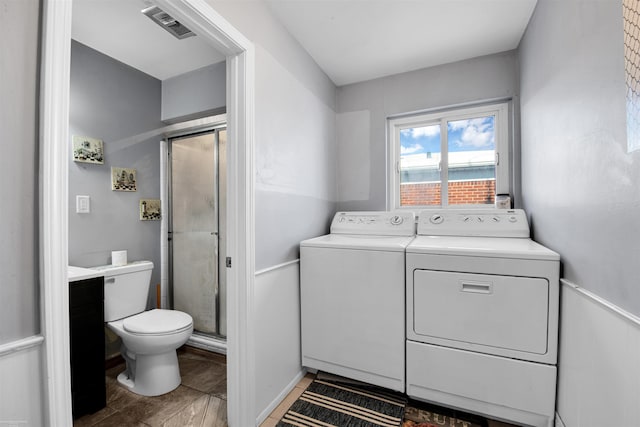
point(80, 273)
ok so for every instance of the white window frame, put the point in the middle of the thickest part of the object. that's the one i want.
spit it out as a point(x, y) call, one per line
point(499, 110)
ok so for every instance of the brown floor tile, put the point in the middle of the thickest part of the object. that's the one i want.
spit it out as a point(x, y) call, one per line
point(219, 390)
point(117, 396)
point(204, 375)
point(156, 410)
point(120, 419)
point(114, 371)
point(190, 416)
point(187, 352)
point(216, 415)
point(92, 419)
point(199, 401)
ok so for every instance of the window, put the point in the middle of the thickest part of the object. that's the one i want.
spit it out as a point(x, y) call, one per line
point(452, 158)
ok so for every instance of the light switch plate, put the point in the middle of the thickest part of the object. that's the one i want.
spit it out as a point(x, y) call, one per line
point(83, 204)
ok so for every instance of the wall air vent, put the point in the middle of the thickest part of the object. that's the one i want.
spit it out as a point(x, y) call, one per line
point(168, 22)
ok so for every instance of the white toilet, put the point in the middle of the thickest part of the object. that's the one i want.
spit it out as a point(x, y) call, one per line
point(149, 338)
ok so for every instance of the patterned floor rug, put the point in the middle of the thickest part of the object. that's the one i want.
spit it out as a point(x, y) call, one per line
point(333, 403)
point(420, 414)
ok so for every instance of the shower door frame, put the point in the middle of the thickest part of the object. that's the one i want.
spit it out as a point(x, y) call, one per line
point(209, 341)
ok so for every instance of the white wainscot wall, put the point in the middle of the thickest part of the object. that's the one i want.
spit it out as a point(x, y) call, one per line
point(277, 335)
point(21, 380)
point(599, 366)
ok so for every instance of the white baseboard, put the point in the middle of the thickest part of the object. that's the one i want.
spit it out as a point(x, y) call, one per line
point(273, 405)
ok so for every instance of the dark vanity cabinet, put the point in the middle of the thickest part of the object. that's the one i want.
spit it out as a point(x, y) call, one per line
point(86, 317)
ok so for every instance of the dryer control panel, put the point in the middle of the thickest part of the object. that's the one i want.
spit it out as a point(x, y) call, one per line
point(473, 222)
point(374, 223)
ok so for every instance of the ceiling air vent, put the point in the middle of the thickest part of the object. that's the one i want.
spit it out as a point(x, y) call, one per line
point(168, 22)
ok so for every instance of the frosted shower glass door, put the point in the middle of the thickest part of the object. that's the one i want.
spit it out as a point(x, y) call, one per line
point(194, 208)
point(222, 236)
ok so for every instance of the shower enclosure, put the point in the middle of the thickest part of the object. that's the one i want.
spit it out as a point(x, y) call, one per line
point(196, 229)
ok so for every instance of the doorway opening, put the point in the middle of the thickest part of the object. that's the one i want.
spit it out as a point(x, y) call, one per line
point(54, 135)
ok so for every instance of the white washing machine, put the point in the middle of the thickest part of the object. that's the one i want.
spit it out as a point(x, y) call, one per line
point(352, 290)
point(482, 315)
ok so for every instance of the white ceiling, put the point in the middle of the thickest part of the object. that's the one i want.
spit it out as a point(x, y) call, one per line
point(351, 40)
point(118, 29)
point(357, 40)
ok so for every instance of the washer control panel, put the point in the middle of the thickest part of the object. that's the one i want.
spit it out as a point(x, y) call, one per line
point(474, 222)
point(374, 223)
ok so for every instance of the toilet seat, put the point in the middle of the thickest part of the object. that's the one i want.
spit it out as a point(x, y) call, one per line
point(157, 322)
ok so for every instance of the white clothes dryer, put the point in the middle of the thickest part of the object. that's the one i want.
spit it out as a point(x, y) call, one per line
point(482, 315)
point(352, 297)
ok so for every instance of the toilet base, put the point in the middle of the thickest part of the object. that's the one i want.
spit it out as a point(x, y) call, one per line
point(151, 374)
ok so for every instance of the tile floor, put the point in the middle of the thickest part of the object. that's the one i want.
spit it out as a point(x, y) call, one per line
point(275, 416)
point(200, 401)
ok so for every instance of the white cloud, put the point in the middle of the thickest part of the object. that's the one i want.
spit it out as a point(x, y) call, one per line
point(476, 133)
point(427, 131)
point(480, 123)
point(475, 137)
point(410, 149)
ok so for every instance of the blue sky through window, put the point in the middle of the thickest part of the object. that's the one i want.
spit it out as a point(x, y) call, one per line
point(476, 134)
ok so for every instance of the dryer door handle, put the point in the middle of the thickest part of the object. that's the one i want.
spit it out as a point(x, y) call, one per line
point(476, 287)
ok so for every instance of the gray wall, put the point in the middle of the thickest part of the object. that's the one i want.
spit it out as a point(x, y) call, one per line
point(19, 315)
point(295, 185)
point(580, 186)
point(198, 93)
point(364, 107)
point(113, 102)
point(295, 136)
point(22, 380)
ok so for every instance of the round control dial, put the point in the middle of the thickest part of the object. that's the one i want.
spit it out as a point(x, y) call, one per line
point(396, 220)
point(436, 219)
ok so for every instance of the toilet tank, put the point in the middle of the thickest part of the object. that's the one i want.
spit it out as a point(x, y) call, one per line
point(126, 289)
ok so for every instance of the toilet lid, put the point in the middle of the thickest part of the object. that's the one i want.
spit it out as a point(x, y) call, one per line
point(157, 321)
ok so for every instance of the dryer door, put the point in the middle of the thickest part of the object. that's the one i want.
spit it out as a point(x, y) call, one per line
point(496, 312)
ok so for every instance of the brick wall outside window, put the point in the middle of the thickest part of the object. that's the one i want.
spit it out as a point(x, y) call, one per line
point(475, 192)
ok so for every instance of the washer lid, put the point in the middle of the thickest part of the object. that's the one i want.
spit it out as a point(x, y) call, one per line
point(494, 247)
point(157, 322)
point(361, 242)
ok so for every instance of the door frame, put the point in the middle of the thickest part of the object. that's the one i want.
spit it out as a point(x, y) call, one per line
point(54, 205)
point(214, 125)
